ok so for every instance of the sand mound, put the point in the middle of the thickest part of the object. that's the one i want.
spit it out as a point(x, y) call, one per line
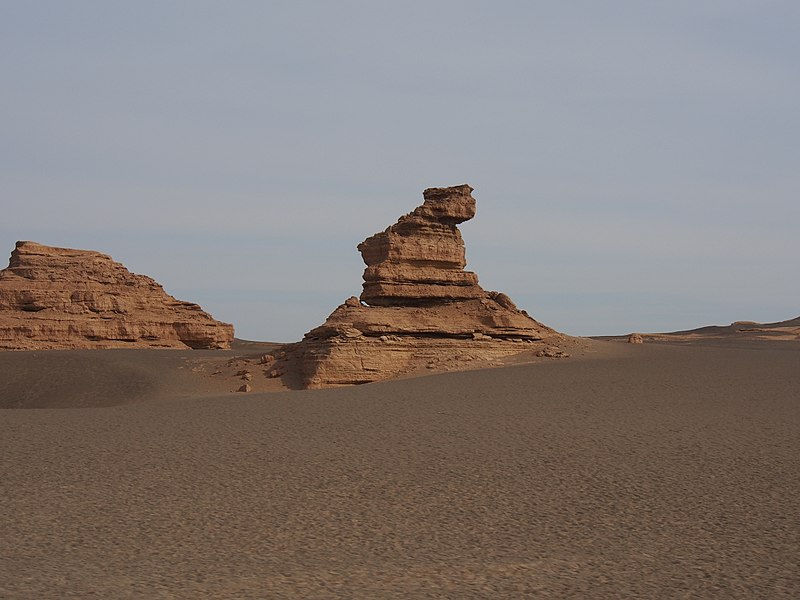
point(96, 378)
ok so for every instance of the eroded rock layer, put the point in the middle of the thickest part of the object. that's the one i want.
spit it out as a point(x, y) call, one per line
point(60, 298)
point(421, 258)
point(419, 308)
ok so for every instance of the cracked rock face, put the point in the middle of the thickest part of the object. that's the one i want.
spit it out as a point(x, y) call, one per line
point(419, 308)
point(60, 298)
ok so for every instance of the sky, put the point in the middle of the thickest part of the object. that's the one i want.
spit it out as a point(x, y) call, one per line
point(636, 164)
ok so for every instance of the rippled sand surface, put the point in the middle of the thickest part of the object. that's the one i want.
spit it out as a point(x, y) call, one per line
point(653, 471)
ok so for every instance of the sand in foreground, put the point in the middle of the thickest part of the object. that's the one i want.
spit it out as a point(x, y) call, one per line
point(652, 472)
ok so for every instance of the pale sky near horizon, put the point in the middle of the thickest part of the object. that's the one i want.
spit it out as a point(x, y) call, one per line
point(636, 163)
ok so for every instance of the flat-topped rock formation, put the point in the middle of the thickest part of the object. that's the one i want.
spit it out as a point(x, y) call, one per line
point(419, 308)
point(60, 298)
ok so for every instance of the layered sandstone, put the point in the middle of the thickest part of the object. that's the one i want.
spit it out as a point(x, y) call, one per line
point(419, 308)
point(421, 258)
point(60, 298)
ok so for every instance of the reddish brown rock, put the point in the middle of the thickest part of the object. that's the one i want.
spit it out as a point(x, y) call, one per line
point(552, 352)
point(419, 308)
point(60, 298)
point(635, 338)
point(421, 258)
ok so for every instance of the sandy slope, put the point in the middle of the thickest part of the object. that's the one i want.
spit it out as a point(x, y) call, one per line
point(651, 471)
point(86, 378)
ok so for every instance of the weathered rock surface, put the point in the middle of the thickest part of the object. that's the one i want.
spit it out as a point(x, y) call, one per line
point(421, 258)
point(60, 298)
point(419, 308)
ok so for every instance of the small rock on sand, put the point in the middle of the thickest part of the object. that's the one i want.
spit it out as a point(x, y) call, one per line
point(552, 352)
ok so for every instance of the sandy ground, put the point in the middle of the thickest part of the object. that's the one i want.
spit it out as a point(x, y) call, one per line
point(98, 378)
point(635, 471)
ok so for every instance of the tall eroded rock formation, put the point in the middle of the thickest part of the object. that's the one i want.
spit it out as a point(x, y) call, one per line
point(60, 298)
point(420, 259)
point(419, 308)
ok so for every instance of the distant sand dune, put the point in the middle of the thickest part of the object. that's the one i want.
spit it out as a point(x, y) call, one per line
point(739, 330)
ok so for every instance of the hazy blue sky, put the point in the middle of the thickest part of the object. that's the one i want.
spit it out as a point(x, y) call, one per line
point(636, 163)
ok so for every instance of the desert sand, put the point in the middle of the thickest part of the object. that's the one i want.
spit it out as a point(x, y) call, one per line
point(660, 470)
